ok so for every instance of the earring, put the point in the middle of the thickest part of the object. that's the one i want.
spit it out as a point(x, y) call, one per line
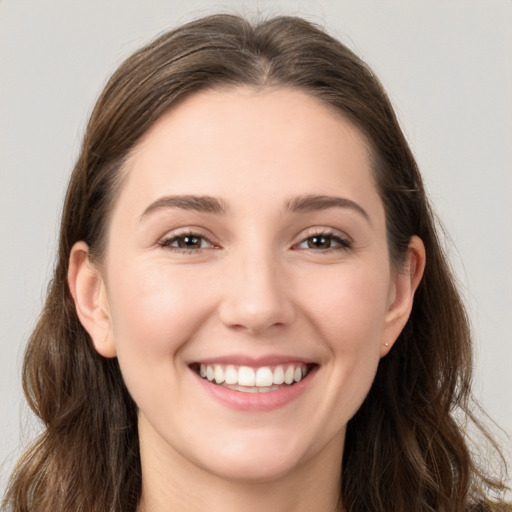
point(386, 344)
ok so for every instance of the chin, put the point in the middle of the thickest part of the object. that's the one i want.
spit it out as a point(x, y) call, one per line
point(243, 470)
point(261, 459)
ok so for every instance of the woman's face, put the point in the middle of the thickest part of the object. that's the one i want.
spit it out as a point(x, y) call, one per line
point(248, 245)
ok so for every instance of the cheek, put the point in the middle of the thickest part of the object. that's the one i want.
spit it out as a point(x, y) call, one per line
point(154, 313)
point(339, 311)
point(348, 310)
point(348, 305)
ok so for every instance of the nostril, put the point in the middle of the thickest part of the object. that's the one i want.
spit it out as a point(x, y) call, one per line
point(249, 318)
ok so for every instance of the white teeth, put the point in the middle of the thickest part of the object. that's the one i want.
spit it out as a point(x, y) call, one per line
point(264, 377)
point(219, 374)
point(246, 376)
point(278, 377)
point(231, 375)
point(288, 374)
point(253, 389)
point(258, 379)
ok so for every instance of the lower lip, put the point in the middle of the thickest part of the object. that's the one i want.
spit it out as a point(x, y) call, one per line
point(256, 402)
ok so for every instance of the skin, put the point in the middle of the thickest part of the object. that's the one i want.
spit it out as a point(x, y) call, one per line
point(257, 286)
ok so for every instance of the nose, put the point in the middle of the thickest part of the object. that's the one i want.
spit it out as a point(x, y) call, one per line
point(257, 294)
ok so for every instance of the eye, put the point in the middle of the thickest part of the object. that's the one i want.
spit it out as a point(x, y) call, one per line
point(324, 242)
point(186, 242)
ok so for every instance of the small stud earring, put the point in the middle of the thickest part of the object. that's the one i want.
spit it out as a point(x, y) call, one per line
point(386, 344)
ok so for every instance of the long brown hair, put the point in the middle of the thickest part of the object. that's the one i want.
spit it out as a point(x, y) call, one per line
point(404, 451)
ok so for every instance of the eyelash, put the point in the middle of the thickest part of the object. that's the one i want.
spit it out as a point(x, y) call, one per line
point(342, 243)
point(168, 241)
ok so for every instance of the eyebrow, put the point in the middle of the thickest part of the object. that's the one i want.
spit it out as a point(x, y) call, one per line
point(308, 203)
point(209, 204)
point(203, 204)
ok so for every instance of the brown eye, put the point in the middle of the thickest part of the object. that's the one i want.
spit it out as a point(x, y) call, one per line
point(189, 242)
point(324, 242)
point(319, 242)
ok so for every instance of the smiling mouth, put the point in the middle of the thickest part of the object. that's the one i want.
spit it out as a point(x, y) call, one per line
point(253, 380)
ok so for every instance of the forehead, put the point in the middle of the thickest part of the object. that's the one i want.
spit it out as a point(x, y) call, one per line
point(246, 111)
point(247, 142)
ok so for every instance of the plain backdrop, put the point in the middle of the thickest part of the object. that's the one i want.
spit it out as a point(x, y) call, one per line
point(447, 65)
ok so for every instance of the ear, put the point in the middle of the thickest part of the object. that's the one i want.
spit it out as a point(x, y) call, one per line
point(89, 293)
point(405, 283)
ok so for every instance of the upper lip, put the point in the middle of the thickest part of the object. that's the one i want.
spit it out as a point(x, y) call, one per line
point(255, 362)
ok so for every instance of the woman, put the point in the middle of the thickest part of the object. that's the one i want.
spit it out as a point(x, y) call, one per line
point(251, 309)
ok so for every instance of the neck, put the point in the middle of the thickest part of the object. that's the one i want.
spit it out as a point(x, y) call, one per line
point(171, 484)
point(233, 497)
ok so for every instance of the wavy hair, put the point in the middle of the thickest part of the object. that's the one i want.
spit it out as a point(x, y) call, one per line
point(404, 451)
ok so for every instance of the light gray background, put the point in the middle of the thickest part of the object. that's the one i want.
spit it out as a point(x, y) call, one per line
point(447, 65)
